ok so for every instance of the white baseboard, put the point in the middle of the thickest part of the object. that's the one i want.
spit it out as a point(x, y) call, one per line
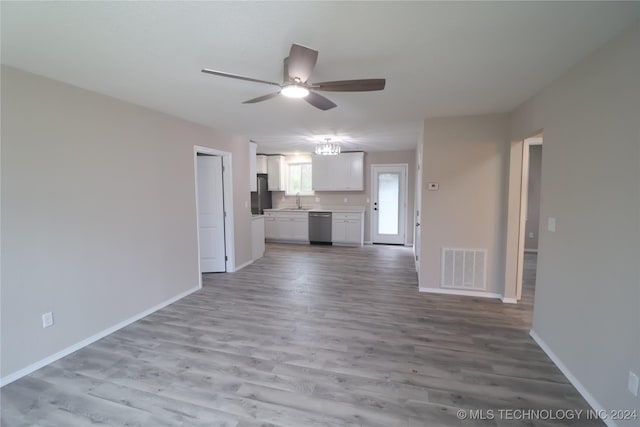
point(461, 292)
point(595, 405)
point(241, 266)
point(93, 338)
point(509, 300)
point(368, 242)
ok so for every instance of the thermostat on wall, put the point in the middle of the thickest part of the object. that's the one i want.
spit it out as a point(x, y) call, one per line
point(432, 186)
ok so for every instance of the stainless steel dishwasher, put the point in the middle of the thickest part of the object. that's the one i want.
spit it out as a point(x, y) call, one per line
point(320, 228)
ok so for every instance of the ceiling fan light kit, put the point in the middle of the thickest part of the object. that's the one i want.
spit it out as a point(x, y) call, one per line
point(294, 91)
point(297, 69)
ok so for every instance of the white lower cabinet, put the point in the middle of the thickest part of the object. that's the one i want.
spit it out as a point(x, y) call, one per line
point(347, 228)
point(270, 231)
point(258, 229)
point(287, 226)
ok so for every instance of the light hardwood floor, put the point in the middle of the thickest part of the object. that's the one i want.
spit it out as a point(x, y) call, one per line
point(306, 336)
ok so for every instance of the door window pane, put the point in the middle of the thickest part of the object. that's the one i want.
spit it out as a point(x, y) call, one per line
point(388, 198)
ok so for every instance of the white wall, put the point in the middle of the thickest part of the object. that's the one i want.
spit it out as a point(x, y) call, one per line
point(98, 212)
point(587, 300)
point(466, 156)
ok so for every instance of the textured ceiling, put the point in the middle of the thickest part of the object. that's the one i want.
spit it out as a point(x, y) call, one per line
point(439, 59)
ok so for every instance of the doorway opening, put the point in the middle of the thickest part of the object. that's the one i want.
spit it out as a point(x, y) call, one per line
point(214, 211)
point(389, 203)
point(529, 224)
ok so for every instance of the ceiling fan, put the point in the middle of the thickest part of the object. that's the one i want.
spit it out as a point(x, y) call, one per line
point(297, 69)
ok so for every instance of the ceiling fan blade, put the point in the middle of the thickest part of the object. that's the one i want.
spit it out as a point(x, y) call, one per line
point(301, 62)
point(285, 70)
point(319, 101)
point(236, 76)
point(261, 98)
point(363, 85)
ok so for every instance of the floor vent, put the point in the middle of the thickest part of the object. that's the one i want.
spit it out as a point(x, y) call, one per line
point(464, 268)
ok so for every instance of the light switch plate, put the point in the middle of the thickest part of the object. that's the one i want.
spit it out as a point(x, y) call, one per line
point(47, 320)
point(551, 224)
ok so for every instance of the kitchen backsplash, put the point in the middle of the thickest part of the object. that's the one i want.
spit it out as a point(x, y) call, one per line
point(321, 199)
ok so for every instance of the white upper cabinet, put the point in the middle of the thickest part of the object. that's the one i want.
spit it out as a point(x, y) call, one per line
point(354, 165)
point(253, 181)
point(276, 168)
point(320, 173)
point(344, 172)
point(261, 163)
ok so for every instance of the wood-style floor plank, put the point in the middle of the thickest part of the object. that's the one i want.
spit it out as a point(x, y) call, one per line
point(306, 336)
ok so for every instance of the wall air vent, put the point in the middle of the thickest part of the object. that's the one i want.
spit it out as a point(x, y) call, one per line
point(464, 269)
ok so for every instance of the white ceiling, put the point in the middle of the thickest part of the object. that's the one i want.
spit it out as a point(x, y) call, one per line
point(439, 59)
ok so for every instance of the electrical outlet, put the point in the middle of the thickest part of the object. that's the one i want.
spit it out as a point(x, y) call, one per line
point(317, 199)
point(433, 186)
point(551, 224)
point(368, 200)
point(633, 383)
point(346, 200)
point(47, 320)
point(531, 234)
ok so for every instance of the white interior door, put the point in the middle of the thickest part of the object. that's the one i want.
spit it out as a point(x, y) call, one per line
point(389, 203)
point(211, 214)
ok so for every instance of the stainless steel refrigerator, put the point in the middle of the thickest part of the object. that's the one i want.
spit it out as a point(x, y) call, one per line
point(261, 199)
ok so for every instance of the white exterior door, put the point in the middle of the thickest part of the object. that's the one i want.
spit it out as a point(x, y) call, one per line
point(211, 214)
point(389, 203)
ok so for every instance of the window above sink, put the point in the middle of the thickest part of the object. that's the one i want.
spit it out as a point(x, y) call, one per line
point(299, 179)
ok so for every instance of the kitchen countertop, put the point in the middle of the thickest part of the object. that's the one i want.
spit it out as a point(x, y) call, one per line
point(354, 209)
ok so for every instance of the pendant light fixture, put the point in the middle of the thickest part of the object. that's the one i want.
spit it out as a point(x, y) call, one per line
point(327, 148)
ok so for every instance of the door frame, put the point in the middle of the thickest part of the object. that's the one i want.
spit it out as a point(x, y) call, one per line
point(227, 192)
point(524, 203)
point(417, 207)
point(405, 167)
point(516, 216)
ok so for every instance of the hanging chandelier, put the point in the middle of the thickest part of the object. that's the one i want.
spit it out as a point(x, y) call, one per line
point(327, 148)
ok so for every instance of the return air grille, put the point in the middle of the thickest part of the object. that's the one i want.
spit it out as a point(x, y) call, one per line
point(464, 268)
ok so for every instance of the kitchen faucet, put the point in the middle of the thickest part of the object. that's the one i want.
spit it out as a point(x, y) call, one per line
point(298, 201)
